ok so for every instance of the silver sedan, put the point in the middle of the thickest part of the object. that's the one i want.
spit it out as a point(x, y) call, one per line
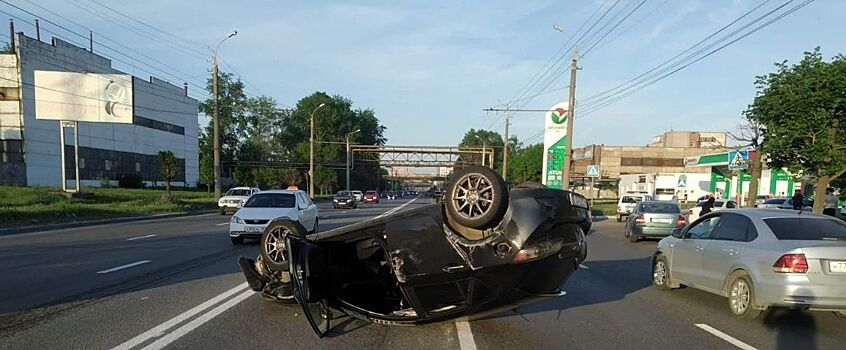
point(759, 258)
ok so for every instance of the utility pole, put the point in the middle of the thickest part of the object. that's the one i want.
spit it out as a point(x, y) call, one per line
point(505, 147)
point(216, 121)
point(348, 157)
point(484, 149)
point(568, 152)
point(311, 153)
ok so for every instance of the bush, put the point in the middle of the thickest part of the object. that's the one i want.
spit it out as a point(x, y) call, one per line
point(105, 182)
point(130, 181)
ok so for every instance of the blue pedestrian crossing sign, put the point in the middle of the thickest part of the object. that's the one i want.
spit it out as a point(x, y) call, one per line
point(737, 160)
point(593, 171)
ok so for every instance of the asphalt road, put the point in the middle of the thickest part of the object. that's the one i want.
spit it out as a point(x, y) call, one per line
point(61, 290)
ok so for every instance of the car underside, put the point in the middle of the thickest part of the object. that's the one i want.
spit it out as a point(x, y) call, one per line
point(435, 262)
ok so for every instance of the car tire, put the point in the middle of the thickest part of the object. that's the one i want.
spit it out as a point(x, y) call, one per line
point(488, 195)
point(633, 237)
point(222, 211)
point(661, 273)
point(237, 240)
point(273, 250)
point(741, 296)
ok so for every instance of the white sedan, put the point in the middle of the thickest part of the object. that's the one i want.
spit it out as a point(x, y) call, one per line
point(719, 204)
point(262, 208)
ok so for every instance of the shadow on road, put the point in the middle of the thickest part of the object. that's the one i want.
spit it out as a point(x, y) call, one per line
point(795, 329)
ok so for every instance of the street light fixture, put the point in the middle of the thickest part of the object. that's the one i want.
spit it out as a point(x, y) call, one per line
point(348, 156)
point(216, 123)
point(311, 153)
point(484, 150)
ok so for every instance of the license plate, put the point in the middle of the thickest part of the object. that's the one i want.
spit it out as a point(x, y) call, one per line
point(661, 221)
point(254, 229)
point(837, 266)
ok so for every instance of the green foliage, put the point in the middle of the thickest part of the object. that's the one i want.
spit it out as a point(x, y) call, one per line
point(802, 109)
point(490, 139)
point(23, 206)
point(525, 164)
point(325, 179)
point(105, 182)
point(169, 167)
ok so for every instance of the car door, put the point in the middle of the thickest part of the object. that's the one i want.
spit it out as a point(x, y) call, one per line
point(304, 212)
point(630, 226)
point(727, 245)
point(312, 209)
point(686, 259)
point(309, 279)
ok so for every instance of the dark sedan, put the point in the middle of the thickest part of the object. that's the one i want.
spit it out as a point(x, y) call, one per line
point(653, 219)
point(344, 199)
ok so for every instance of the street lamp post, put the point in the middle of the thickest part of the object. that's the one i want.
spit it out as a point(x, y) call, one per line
point(484, 149)
point(311, 154)
point(216, 122)
point(348, 157)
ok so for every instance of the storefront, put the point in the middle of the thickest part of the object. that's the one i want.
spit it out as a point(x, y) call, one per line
point(727, 184)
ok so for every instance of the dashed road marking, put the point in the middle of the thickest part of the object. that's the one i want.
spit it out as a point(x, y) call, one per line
point(140, 237)
point(389, 212)
point(731, 340)
point(121, 267)
point(222, 223)
point(465, 335)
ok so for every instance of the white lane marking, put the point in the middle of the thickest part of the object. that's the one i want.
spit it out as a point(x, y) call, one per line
point(584, 266)
point(465, 335)
point(121, 267)
point(157, 331)
point(197, 322)
point(394, 210)
point(140, 237)
point(726, 337)
point(222, 223)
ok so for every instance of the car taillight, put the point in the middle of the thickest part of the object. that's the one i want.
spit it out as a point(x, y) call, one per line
point(639, 219)
point(791, 263)
point(681, 222)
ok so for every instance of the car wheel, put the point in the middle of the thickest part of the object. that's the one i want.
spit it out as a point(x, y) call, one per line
point(633, 237)
point(661, 273)
point(477, 198)
point(237, 240)
point(742, 298)
point(273, 250)
point(222, 211)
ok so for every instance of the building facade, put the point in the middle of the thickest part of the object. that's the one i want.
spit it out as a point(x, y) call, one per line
point(621, 160)
point(164, 118)
point(690, 139)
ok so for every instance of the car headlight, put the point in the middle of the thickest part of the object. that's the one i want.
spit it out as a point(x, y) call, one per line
point(335, 200)
point(236, 220)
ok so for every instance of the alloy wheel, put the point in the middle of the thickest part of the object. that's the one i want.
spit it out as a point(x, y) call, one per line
point(275, 244)
point(473, 196)
point(739, 298)
point(659, 273)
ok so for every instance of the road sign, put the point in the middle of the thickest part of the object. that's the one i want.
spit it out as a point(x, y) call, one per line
point(593, 170)
point(737, 160)
point(682, 181)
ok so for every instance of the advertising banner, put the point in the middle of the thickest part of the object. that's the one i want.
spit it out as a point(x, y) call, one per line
point(83, 97)
point(554, 144)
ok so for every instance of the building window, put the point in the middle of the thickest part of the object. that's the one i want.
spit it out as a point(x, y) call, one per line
point(651, 162)
point(82, 163)
point(137, 167)
point(630, 161)
point(108, 164)
point(158, 125)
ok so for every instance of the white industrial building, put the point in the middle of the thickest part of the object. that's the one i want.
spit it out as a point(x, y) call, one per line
point(163, 117)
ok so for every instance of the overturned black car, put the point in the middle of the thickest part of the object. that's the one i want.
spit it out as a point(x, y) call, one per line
point(483, 250)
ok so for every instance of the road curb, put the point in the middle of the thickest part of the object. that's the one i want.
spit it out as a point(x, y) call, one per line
point(66, 225)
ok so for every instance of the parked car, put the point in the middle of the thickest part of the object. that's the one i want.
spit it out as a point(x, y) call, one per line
point(463, 257)
point(761, 199)
point(233, 199)
point(653, 219)
point(773, 203)
point(719, 204)
point(344, 199)
point(251, 220)
point(371, 197)
point(359, 196)
point(759, 258)
point(807, 204)
point(628, 202)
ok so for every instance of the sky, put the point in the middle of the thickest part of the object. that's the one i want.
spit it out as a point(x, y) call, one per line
point(429, 69)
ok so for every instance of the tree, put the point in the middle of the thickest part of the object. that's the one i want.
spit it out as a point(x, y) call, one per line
point(233, 106)
point(492, 140)
point(325, 179)
point(751, 134)
point(525, 164)
point(802, 109)
point(169, 167)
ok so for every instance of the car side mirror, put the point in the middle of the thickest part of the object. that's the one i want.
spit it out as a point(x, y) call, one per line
point(678, 233)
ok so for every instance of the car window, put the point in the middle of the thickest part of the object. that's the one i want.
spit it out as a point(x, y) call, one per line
point(731, 204)
point(751, 232)
point(630, 199)
point(718, 204)
point(301, 200)
point(271, 200)
point(662, 208)
point(702, 230)
point(807, 228)
point(775, 201)
point(308, 200)
point(732, 227)
point(237, 192)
